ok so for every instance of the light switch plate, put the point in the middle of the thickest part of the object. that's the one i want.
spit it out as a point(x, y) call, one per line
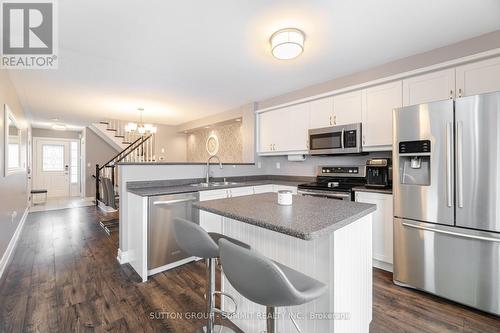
point(278, 165)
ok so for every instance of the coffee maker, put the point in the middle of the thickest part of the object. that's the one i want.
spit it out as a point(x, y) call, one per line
point(379, 173)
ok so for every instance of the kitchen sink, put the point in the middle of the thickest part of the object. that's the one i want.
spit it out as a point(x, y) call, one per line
point(223, 183)
point(214, 184)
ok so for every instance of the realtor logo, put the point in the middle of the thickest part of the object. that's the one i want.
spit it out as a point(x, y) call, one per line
point(28, 35)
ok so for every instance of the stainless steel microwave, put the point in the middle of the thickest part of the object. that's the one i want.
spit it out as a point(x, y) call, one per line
point(343, 139)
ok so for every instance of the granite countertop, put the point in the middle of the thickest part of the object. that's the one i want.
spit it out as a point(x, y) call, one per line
point(373, 190)
point(307, 218)
point(152, 188)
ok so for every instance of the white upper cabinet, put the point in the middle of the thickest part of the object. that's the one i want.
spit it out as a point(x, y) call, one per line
point(435, 86)
point(378, 103)
point(321, 113)
point(269, 133)
point(347, 108)
point(296, 123)
point(284, 131)
point(478, 77)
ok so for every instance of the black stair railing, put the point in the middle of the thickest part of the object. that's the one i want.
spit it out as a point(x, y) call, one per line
point(138, 144)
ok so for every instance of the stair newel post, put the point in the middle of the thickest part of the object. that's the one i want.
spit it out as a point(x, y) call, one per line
point(113, 175)
point(97, 196)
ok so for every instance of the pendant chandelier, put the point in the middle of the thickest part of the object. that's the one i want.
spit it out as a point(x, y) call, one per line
point(140, 128)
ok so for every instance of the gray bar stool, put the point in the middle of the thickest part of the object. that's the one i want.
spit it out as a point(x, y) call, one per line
point(266, 282)
point(196, 241)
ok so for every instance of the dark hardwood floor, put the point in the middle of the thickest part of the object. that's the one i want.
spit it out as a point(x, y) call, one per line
point(64, 277)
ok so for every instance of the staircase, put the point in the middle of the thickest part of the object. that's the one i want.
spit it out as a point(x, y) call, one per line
point(132, 147)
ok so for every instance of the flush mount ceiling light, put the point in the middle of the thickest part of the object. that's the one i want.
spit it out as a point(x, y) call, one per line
point(287, 43)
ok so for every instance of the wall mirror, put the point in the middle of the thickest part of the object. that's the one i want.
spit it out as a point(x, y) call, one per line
point(212, 144)
point(12, 142)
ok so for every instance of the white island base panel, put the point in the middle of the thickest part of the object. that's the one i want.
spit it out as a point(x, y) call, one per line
point(341, 260)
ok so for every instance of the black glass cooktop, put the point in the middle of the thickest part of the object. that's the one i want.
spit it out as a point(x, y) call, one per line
point(339, 184)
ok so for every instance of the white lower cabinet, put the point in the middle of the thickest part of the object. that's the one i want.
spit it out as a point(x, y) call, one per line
point(382, 228)
point(240, 191)
point(208, 221)
point(263, 189)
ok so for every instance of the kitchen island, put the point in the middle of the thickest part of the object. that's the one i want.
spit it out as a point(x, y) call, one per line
point(330, 240)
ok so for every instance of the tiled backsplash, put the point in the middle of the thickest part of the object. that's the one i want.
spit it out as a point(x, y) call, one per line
point(230, 143)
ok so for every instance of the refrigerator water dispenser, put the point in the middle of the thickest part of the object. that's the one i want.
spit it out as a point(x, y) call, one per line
point(415, 162)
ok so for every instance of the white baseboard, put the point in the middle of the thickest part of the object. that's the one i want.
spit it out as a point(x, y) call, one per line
point(170, 266)
point(13, 242)
point(123, 257)
point(382, 265)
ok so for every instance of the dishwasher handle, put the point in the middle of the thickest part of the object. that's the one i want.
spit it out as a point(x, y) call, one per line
point(172, 202)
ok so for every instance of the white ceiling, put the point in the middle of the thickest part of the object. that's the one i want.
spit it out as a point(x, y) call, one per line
point(182, 60)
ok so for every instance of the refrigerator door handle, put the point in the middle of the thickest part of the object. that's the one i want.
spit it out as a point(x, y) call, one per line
point(449, 159)
point(452, 233)
point(460, 187)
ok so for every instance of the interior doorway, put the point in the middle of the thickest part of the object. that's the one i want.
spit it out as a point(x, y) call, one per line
point(56, 166)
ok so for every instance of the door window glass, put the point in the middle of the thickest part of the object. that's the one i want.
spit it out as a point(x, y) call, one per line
point(52, 157)
point(74, 162)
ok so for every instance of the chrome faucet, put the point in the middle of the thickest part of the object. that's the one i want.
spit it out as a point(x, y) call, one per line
point(208, 167)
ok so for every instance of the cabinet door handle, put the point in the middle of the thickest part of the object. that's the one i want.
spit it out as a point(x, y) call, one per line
point(330, 120)
point(451, 94)
point(335, 120)
point(460, 92)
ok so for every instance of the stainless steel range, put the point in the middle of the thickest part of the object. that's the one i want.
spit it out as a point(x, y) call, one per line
point(335, 182)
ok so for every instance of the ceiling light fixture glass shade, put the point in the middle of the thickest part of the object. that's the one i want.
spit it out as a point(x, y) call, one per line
point(287, 43)
point(59, 127)
point(140, 128)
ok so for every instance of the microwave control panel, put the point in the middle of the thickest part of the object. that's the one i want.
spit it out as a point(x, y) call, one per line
point(350, 139)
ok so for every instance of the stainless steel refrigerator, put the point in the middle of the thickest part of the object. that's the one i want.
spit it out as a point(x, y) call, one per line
point(446, 162)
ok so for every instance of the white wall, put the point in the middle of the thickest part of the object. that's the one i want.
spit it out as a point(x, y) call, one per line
point(309, 166)
point(170, 144)
point(14, 189)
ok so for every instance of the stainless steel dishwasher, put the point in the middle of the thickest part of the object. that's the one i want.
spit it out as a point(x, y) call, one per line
point(162, 247)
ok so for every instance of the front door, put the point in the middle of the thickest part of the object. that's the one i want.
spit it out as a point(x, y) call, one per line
point(52, 162)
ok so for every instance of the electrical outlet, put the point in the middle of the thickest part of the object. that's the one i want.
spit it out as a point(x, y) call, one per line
point(163, 150)
point(259, 165)
point(278, 165)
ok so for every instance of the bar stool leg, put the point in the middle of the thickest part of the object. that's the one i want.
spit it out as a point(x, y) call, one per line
point(210, 296)
point(271, 322)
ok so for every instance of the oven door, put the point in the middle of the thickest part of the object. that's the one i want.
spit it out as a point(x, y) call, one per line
point(345, 139)
point(326, 194)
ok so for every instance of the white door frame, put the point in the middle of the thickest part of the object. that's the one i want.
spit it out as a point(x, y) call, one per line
point(68, 140)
